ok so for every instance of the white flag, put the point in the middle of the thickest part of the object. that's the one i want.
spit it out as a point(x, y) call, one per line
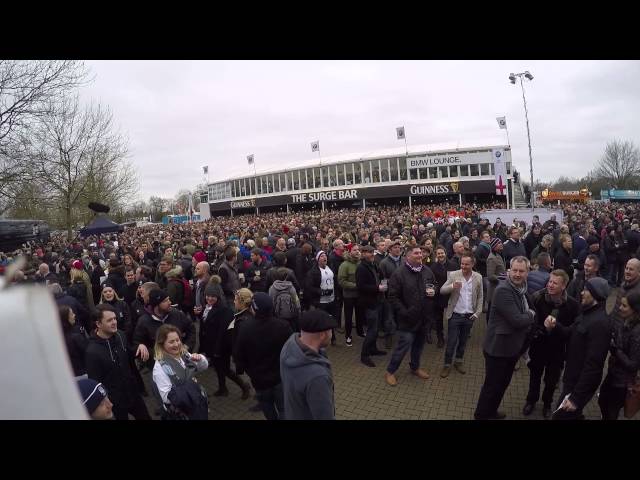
point(205, 169)
point(502, 122)
point(400, 133)
point(250, 159)
point(315, 146)
point(500, 169)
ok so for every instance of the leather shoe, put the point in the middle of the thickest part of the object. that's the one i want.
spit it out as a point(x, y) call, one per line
point(528, 408)
point(546, 411)
point(459, 366)
point(499, 416)
point(378, 352)
point(444, 373)
point(391, 379)
point(367, 361)
point(420, 373)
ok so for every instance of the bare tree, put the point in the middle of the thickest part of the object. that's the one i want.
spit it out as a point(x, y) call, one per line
point(620, 164)
point(27, 91)
point(76, 153)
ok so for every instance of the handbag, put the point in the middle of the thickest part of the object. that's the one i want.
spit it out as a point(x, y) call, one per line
point(632, 401)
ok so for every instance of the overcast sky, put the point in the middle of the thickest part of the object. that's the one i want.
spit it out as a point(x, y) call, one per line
point(181, 115)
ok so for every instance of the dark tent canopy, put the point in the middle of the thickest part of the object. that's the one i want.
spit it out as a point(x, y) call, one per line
point(101, 224)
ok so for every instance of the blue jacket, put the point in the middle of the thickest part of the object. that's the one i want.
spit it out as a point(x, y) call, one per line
point(537, 280)
point(307, 382)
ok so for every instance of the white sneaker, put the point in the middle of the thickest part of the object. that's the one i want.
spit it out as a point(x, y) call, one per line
point(349, 342)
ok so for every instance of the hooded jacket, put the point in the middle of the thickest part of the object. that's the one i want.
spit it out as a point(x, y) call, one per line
point(116, 277)
point(284, 285)
point(307, 382)
point(347, 276)
point(587, 348)
point(258, 347)
point(109, 362)
point(77, 348)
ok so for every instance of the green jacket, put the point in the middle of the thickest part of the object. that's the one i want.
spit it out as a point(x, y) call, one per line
point(347, 276)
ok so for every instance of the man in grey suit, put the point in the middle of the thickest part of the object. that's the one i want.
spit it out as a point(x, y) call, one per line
point(510, 320)
point(465, 306)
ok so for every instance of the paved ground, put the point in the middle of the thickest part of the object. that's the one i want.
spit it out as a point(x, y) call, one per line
point(362, 394)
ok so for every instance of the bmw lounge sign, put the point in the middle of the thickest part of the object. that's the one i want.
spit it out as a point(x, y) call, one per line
point(498, 153)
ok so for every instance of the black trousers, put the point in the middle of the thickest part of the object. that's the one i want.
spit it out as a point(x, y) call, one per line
point(351, 304)
point(330, 308)
point(138, 410)
point(498, 373)
point(551, 369)
point(611, 400)
point(438, 321)
point(338, 303)
point(222, 366)
point(563, 414)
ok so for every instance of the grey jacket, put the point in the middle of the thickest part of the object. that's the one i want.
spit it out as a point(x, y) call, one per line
point(495, 267)
point(307, 382)
point(509, 323)
point(447, 289)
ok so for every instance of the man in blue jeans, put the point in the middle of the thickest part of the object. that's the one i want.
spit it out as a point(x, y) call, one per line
point(370, 290)
point(464, 307)
point(412, 292)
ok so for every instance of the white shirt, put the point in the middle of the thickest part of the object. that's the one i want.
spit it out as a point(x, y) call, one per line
point(327, 284)
point(465, 300)
point(163, 382)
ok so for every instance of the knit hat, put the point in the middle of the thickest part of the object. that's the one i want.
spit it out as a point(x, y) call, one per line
point(321, 252)
point(213, 290)
point(157, 296)
point(291, 242)
point(598, 288)
point(92, 392)
point(107, 284)
point(262, 304)
point(200, 256)
point(495, 242)
point(77, 264)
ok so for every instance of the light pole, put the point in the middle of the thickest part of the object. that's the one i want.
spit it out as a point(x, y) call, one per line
point(512, 78)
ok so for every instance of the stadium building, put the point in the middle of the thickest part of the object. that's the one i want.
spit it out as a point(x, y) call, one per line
point(418, 175)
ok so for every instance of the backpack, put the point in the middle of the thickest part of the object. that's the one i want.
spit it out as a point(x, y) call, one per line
point(187, 293)
point(188, 399)
point(284, 307)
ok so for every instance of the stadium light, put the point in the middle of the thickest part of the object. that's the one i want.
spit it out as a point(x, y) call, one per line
point(512, 78)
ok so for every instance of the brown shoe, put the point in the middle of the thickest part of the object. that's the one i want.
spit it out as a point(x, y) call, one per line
point(459, 366)
point(444, 373)
point(390, 379)
point(420, 373)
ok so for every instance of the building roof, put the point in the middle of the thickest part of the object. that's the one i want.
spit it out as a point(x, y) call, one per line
point(433, 148)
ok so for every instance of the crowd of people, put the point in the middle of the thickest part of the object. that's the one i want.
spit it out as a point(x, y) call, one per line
point(266, 296)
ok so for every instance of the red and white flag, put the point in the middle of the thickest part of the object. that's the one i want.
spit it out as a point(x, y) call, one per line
point(500, 169)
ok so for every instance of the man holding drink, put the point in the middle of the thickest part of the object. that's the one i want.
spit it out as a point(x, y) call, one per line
point(412, 292)
point(464, 307)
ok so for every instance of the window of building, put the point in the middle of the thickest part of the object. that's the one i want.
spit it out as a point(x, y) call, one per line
point(433, 172)
point(403, 168)
point(423, 173)
point(348, 171)
point(375, 171)
point(341, 178)
point(295, 178)
point(492, 169)
point(464, 170)
point(316, 176)
point(393, 169)
point(385, 170)
point(508, 165)
point(333, 182)
point(484, 169)
point(453, 171)
point(366, 172)
point(444, 171)
point(474, 171)
point(357, 173)
point(413, 174)
point(324, 172)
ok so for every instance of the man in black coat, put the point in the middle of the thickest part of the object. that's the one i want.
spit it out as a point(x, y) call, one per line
point(587, 349)
point(513, 247)
point(109, 362)
point(148, 324)
point(413, 305)
point(510, 319)
point(440, 268)
point(591, 269)
point(257, 352)
point(257, 272)
point(547, 348)
point(370, 289)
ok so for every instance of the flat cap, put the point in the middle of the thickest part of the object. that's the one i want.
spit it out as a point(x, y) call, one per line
point(317, 321)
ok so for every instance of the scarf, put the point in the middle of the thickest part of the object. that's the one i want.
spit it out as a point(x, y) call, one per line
point(520, 291)
point(395, 259)
point(417, 269)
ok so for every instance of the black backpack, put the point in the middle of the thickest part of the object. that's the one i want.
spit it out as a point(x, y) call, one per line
point(188, 399)
point(284, 306)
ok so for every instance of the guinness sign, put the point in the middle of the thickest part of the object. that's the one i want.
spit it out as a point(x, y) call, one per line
point(438, 189)
point(243, 204)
